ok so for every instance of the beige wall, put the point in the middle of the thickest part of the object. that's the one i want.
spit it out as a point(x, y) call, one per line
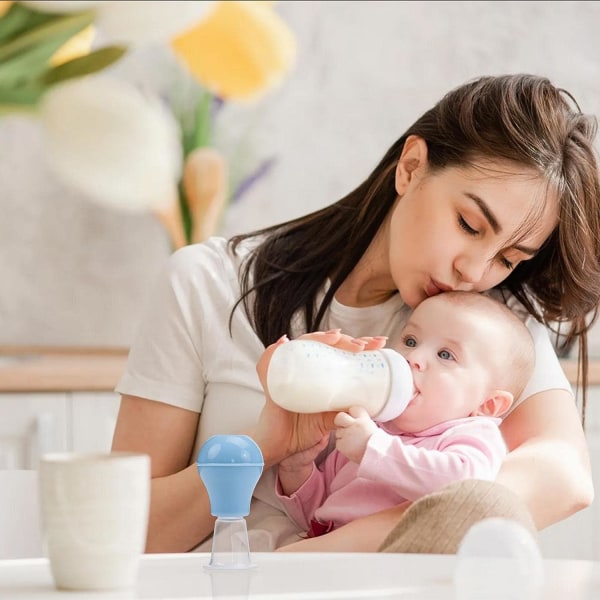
point(76, 273)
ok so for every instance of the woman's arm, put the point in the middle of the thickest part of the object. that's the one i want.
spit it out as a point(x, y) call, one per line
point(548, 463)
point(179, 506)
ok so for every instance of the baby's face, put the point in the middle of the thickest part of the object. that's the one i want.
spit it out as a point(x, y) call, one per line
point(449, 353)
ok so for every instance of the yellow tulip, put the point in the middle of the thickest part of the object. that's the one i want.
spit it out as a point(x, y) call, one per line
point(4, 6)
point(78, 45)
point(239, 51)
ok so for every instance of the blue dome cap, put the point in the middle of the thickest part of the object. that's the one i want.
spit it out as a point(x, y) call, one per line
point(230, 466)
point(230, 450)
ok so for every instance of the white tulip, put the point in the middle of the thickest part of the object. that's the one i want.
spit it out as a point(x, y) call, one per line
point(137, 23)
point(113, 143)
point(50, 6)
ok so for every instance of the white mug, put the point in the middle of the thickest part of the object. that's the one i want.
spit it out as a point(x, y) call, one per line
point(94, 511)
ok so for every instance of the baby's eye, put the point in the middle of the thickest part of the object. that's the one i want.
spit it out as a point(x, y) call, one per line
point(445, 355)
point(410, 342)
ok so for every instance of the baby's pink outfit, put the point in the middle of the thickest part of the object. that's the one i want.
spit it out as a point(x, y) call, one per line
point(396, 467)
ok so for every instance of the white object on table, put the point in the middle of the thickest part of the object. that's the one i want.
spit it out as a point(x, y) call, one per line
point(499, 559)
point(20, 535)
point(294, 576)
point(94, 509)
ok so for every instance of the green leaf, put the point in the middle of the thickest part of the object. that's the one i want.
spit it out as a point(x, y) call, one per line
point(186, 216)
point(23, 98)
point(83, 65)
point(19, 18)
point(31, 60)
point(202, 128)
point(27, 65)
point(56, 31)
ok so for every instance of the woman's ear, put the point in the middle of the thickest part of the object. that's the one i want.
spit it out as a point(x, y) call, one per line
point(496, 405)
point(414, 155)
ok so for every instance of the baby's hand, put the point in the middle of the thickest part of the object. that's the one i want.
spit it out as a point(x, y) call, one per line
point(354, 428)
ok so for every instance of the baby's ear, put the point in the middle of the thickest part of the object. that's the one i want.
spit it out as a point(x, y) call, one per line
point(497, 404)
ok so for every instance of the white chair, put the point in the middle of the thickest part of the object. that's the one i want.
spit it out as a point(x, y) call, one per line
point(20, 531)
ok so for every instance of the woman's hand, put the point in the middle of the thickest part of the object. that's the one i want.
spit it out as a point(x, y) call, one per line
point(303, 460)
point(296, 469)
point(281, 433)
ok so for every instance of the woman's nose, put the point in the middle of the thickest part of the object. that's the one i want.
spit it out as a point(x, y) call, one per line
point(471, 268)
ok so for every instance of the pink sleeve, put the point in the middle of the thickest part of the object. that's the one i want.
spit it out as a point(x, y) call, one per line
point(303, 503)
point(471, 450)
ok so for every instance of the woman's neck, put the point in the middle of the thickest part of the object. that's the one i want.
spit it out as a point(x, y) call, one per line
point(370, 282)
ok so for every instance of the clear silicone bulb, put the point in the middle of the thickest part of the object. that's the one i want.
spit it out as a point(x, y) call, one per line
point(499, 559)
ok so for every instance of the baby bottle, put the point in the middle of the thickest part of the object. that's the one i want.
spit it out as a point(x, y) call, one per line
point(307, 377)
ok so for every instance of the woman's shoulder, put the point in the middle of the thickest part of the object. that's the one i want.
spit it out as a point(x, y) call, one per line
point(213, 258)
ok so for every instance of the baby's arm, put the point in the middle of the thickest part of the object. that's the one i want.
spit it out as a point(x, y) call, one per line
point(310, 492)
point(470, 450)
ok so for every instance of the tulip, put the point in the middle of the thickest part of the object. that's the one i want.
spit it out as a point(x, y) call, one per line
point(239, 51)
point(66, 6)
point(110, 141)
point(138, 23)
point(79, 45)
point(4, 6)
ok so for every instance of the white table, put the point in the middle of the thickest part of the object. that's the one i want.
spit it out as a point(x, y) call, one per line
point(290, 576)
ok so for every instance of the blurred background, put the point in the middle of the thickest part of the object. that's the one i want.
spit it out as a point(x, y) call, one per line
point(75, 272)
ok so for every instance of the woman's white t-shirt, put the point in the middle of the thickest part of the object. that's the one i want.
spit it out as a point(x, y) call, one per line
point(183, 354)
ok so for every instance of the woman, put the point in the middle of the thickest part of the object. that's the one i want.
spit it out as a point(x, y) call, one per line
point(495, 188)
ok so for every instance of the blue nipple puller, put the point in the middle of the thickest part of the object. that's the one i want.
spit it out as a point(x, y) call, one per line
point(230, 466)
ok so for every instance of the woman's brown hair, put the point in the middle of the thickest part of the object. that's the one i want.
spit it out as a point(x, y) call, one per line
point(519, 118)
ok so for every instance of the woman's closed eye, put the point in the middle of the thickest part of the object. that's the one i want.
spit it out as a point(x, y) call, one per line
point(507, 264)
point(466, 227)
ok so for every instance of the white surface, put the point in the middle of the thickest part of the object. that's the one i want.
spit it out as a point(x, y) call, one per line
point(293, 577)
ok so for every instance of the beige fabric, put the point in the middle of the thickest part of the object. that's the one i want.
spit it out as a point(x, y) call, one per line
point(436, 523)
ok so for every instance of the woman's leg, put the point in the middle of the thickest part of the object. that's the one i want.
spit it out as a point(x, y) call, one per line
point(436, 523)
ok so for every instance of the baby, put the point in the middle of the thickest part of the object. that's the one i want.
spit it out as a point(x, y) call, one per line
point(470, 357)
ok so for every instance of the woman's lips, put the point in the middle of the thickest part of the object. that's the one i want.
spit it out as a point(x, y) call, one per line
point(433, 288)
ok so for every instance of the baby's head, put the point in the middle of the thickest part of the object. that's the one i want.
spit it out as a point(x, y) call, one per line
point(470, 355)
